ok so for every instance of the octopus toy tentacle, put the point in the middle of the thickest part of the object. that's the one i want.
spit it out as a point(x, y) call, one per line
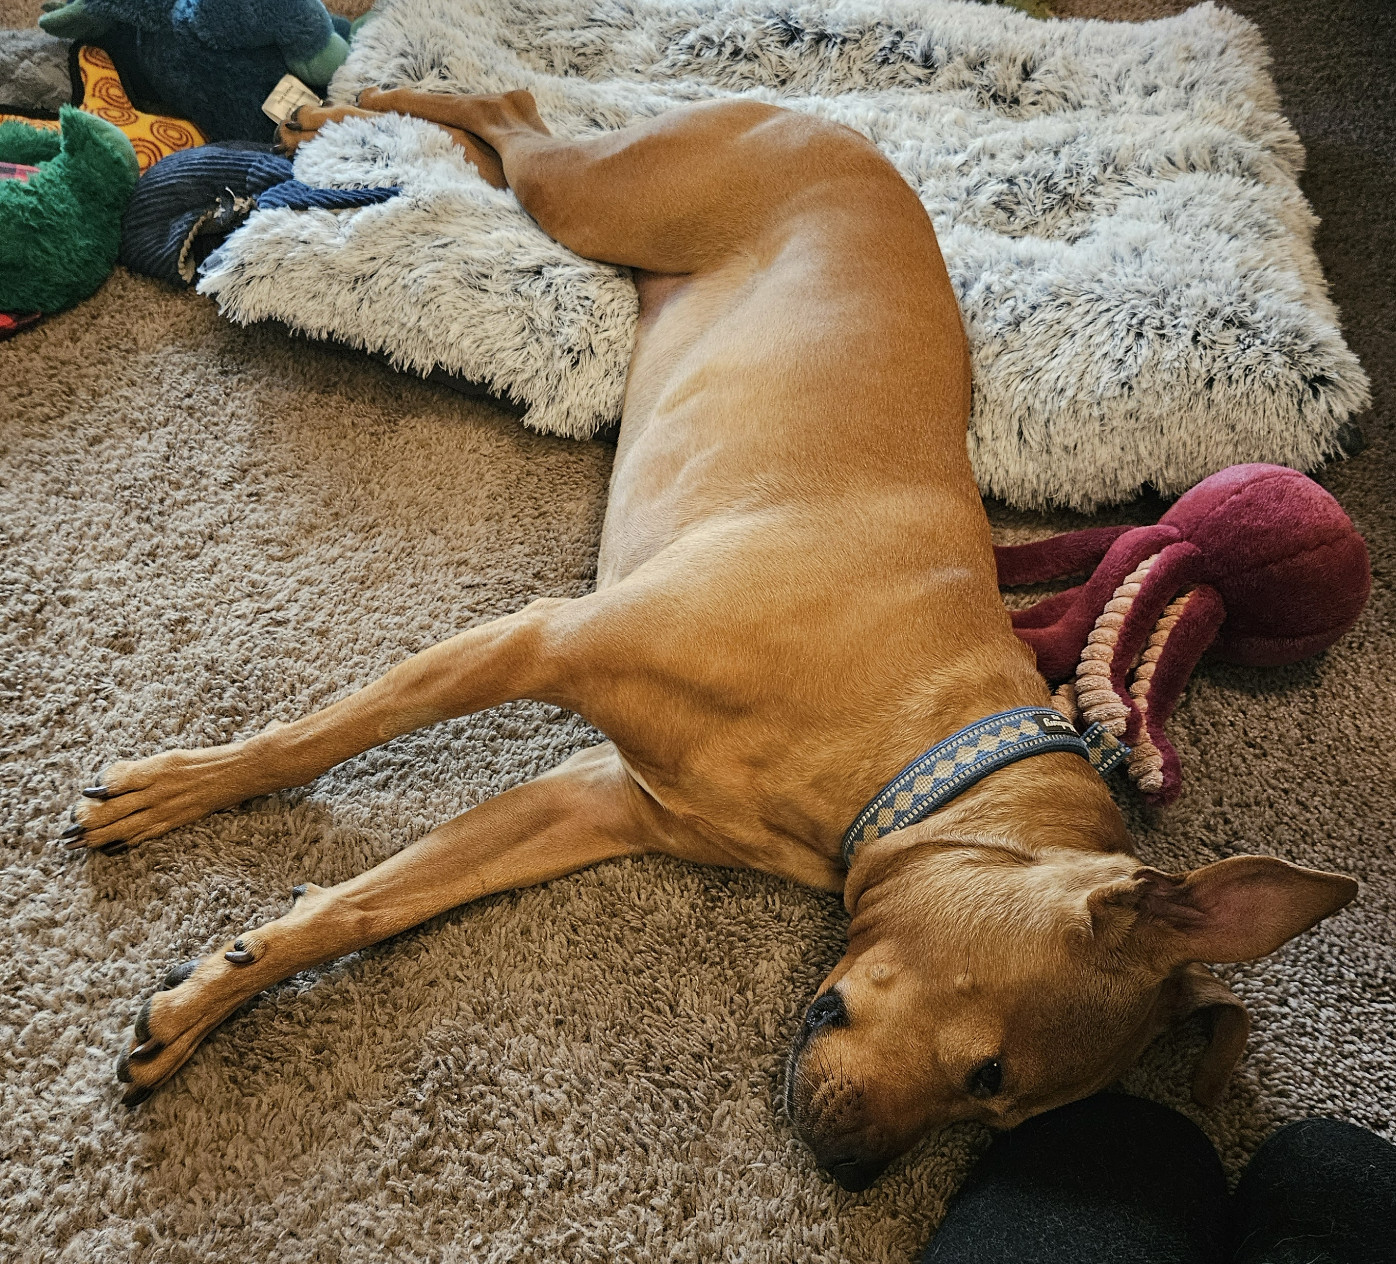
point(1131, 616)
point(1057, 627)
point(1145, 759)
point(1096, 695)
point(1064, 700)
point(1121, 632)
point(1188, 627)
point(1039, 561)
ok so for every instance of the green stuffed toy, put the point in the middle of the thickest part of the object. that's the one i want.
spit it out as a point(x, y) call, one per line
point(60, 230)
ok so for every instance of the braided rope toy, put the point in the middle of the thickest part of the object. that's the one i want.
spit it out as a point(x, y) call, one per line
point(1257, 563)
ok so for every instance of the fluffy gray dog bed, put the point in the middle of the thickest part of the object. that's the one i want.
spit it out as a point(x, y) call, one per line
point(1117, 205)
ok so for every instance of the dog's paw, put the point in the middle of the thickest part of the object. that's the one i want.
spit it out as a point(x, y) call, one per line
point(305, 121)
point(163, 1036)
point(198, 995)
point(136, 800)
point(193, 999)
point(302, 124)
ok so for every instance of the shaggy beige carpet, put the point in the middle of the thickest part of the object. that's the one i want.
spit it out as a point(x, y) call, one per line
point(204, 528)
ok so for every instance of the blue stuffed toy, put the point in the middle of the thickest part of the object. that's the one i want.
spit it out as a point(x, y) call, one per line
point(211, 61)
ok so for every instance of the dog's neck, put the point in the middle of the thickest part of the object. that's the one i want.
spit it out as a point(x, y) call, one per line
point(1047, 801)
point(1053, 802)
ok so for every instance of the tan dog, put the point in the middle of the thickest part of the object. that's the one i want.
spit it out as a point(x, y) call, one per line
point(796, 596)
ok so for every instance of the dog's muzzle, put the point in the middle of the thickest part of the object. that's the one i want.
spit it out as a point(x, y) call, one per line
point(851, 1172)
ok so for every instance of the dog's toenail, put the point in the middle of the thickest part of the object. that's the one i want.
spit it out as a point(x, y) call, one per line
point(123, 1067)
point(297, 892)
point(97, 792)
point(75, 844)
point(73, 831)
point(136, 1096)
point(239, 955)
point(147, 1050)
point(142, 1027)
point(178, 974)
point(117, 847)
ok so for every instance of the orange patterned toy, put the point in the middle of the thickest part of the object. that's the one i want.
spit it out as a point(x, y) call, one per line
point(153, 136)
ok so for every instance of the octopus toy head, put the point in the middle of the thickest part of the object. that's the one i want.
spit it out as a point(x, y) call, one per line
point(1289, 566)
point(1257, 563)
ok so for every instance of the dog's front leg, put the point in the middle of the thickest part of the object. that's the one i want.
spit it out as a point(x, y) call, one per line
point(497, 662)
point(587, 810)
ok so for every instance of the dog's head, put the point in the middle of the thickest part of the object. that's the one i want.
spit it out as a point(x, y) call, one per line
point(989, 984)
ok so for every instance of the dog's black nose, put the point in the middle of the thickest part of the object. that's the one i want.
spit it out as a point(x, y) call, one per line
point(856, 1174)
point(827, 1011)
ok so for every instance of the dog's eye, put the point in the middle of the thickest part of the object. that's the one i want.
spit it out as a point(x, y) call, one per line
point(986, 1079)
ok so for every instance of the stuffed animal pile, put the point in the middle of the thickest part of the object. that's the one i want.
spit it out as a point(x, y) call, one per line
point(153, 78)
point(211, 61)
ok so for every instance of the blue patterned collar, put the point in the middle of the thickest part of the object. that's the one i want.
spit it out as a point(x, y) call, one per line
point(931, 780)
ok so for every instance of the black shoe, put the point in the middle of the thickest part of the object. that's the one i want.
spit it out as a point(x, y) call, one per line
point(1109, 1180)
point(1318, 1192)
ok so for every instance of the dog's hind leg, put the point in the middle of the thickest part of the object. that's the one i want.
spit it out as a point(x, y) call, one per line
point(586, 810)
point(513, 657)
point(673, 194)
point(305, 122)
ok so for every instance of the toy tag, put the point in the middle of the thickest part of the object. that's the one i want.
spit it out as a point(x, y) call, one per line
point(286, 98)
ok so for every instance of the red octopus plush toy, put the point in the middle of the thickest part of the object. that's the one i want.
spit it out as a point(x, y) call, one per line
point(1257, 563)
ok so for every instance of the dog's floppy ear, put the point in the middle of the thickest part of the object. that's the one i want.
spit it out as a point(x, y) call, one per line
point(1234, 910)
point(1192, 988)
